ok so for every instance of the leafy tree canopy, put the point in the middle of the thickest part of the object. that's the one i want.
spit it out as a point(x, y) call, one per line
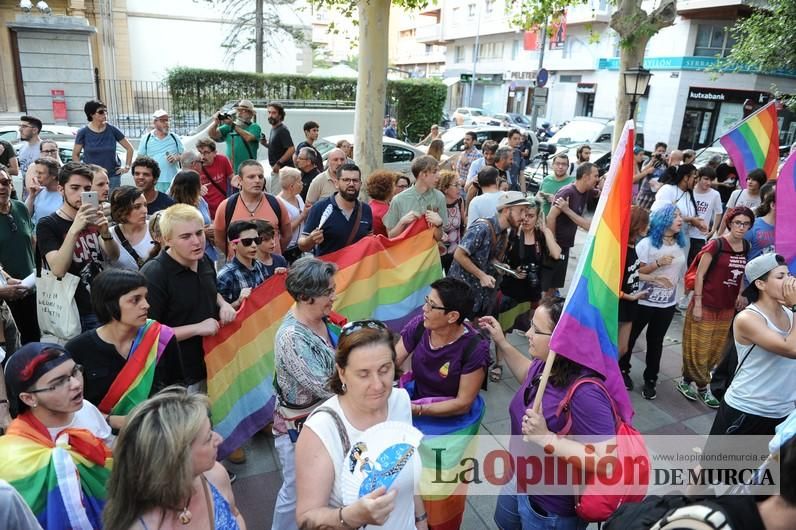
point(766, 40)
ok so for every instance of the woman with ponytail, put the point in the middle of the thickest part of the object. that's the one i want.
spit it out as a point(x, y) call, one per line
point(761, 235)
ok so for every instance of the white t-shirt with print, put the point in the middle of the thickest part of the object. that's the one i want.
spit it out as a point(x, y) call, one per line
point(708, 205)
point(743, 198)
point(661, 296)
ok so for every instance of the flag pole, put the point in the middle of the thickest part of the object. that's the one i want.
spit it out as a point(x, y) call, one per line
point(735, 126)
point(548, 367)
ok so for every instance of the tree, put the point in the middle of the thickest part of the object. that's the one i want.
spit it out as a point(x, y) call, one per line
point(634, 26)
point(256, 23)
point(765, 41)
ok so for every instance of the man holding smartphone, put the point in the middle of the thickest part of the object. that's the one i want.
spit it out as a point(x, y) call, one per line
point(76, 238)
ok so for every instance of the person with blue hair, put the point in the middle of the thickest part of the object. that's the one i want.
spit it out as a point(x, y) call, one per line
point(662, 252)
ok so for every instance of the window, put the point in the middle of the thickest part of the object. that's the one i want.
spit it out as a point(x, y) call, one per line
point(490, 50)
point(459, 54)
point(569, 78)
point(713, 40)
point(429, 49)
point(393, 154)
point(490, 6)
point(515, 49)
point(471, 10)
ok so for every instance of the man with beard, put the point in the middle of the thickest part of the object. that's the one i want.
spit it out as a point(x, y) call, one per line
point(216, 173)
point(340, 220)
point(164, 147)
point(44, 197)
point(29, 129)
point(325, 184)
point(252, 202)
point(240, 132)
point(280, 144)
point(482, 245)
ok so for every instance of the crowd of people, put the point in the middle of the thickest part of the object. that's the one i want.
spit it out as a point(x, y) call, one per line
point(158, 266)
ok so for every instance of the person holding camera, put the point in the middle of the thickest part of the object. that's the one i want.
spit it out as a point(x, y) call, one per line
point(239, 131)
point(648, 176)
point(527, 249)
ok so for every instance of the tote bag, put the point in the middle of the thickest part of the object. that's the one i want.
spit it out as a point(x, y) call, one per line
point(59, 319)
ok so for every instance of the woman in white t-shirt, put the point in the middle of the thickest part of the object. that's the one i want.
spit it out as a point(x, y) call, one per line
point(364, 397)
point(680, 191)
point(131, 233)
point(662, 252)
point(290, 195)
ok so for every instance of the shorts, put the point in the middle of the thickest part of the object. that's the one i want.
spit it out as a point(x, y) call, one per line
point(555, 274)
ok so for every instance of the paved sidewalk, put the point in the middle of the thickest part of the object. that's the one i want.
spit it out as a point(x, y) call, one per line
point(259, 479)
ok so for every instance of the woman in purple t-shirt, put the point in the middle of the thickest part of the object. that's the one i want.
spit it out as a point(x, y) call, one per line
point(590, 411)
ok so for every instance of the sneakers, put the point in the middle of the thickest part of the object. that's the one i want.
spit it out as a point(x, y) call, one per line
point(708, 398)
point(649, 392)
point(628, 381)
point(238, 456)
point(686, 389)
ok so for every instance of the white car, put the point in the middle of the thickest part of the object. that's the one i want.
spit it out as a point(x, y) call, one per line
point(396, 155)
point(473, 116)
point(10, 133)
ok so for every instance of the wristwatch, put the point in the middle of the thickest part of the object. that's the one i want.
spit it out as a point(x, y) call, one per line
point(793, 308)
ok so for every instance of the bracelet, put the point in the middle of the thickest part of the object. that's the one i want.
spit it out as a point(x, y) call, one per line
point(109, 238)
point(697, 296)
point(422, 517)
point(342, 521)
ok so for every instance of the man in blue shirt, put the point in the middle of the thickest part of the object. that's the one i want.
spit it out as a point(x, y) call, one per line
point(164, 147)
point(340, 220)
point(391, 130)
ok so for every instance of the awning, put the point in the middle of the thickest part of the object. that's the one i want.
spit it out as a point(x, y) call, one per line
point(450, 81)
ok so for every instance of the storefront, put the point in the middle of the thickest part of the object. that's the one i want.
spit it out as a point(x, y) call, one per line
point(711, 112)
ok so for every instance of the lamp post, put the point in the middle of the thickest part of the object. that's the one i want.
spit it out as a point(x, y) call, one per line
point(636, 82)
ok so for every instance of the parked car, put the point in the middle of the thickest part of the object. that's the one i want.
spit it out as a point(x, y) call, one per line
point(10, 133)
point(584, 130)
point(396, 155)
point(514, 119)
point(453, 138)
point(473, 116)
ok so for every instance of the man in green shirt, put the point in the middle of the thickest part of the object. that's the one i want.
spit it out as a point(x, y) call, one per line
point(421, 199)
point(552, 183)
point(240, 132)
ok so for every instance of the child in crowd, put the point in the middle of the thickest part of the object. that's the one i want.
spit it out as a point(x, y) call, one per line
point(274, 263)
point(244, 271)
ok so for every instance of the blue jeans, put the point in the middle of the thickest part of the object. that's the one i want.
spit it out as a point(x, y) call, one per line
point(115, 181)
point(514, 512)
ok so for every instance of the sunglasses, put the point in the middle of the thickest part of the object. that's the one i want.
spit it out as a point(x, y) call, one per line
point(358, 325)
point(248, 241)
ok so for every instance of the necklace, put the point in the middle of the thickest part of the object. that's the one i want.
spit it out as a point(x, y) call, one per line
point(251, 211)
point(185, 515)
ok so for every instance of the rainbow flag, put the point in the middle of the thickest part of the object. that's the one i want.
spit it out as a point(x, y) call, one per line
point(63, 482)
point(133, 384)
point(377, 278)
point(587, 332)
point(754, 143)
point(784, 235)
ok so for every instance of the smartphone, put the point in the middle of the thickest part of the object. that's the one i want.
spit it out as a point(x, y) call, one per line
point(90, 197)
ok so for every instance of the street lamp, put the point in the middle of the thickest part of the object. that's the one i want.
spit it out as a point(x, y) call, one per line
point(636, 82)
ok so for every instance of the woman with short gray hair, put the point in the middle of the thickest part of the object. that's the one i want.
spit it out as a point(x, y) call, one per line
point(292, 185)
point(304, 359)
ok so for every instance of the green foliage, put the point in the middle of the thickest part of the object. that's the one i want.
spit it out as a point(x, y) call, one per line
point(526, 14)
point(766, 40)
point(418, 104)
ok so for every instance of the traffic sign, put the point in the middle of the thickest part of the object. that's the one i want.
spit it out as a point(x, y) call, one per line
point(541, 77)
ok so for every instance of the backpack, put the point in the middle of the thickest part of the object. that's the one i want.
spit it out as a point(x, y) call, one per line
point(171, 134)
point(677, 511)
point(690, 274)
point(469, 348)
point(595, 504)
point(232, 201)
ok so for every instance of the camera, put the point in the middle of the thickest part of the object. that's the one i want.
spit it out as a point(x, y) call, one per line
point(224, 116)
point(532, 272)
point(658, 156)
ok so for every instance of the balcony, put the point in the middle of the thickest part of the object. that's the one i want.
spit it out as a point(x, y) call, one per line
point(429, 34)
point(584, 14)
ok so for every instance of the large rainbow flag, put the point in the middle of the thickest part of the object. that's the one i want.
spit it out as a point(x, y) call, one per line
point(63, 482)
point(377, 278)
point(784, 234)
point(754, 143)
point(587, 332)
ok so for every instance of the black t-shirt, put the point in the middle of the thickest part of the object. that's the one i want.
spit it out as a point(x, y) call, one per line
point(7, 152)
point(630, 278)
point(279, 141)
point(87, 258)
point(102, 363)
point(318, 157)
point(306, 178)
point(178, 296)
point(161, 202)
point(724, 173)
point(521, 255)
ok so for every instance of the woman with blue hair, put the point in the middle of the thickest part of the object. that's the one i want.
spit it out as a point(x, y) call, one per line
point(662, 252)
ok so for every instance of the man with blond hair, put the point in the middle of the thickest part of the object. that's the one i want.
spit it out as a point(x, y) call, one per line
point(422, 199)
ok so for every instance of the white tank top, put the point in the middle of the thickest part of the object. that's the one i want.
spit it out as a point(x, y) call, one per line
point(764, 385)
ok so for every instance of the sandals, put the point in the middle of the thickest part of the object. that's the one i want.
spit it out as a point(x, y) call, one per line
point(496, 373)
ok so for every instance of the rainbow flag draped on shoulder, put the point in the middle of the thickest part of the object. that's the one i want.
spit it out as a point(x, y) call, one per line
point(63, 482)
point(784, 234)
point(377, 278)
point(754, 143)
point(133, 384)
point(587, 332)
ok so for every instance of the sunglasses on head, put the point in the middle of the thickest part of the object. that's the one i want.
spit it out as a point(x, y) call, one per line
point(357, 325)
point(247, 241)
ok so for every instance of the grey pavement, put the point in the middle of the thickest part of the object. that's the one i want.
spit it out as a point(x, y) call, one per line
point(670, 413)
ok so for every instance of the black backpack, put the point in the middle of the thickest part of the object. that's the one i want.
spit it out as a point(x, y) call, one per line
point(732, 512)
point(232, 201)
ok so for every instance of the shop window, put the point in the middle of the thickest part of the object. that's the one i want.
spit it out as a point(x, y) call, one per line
point(713, 40)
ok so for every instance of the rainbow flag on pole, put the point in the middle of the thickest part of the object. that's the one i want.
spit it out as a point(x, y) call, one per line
point(377, 278)
point(754, 143)
point(784, 235)
point(587, 332)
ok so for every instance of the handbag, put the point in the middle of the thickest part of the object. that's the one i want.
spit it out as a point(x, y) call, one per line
point(294, 415)
point(597, 501)
point(56, 309)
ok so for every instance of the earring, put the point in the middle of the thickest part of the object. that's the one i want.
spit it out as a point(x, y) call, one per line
point(35, 405)
point(345, 388)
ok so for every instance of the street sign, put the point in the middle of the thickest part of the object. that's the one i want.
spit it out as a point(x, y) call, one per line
point(466, 77)
point(541, 77)
point(540, 96)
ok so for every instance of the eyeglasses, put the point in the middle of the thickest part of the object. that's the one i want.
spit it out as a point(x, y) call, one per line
point(537, 332)
point(431, 305)
point(741, 224)
point(61, 382)
point(26, 126)
point(50, 151)
point(351, 181)
point(12, 223)
point(247, 241)
point(357, 325)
